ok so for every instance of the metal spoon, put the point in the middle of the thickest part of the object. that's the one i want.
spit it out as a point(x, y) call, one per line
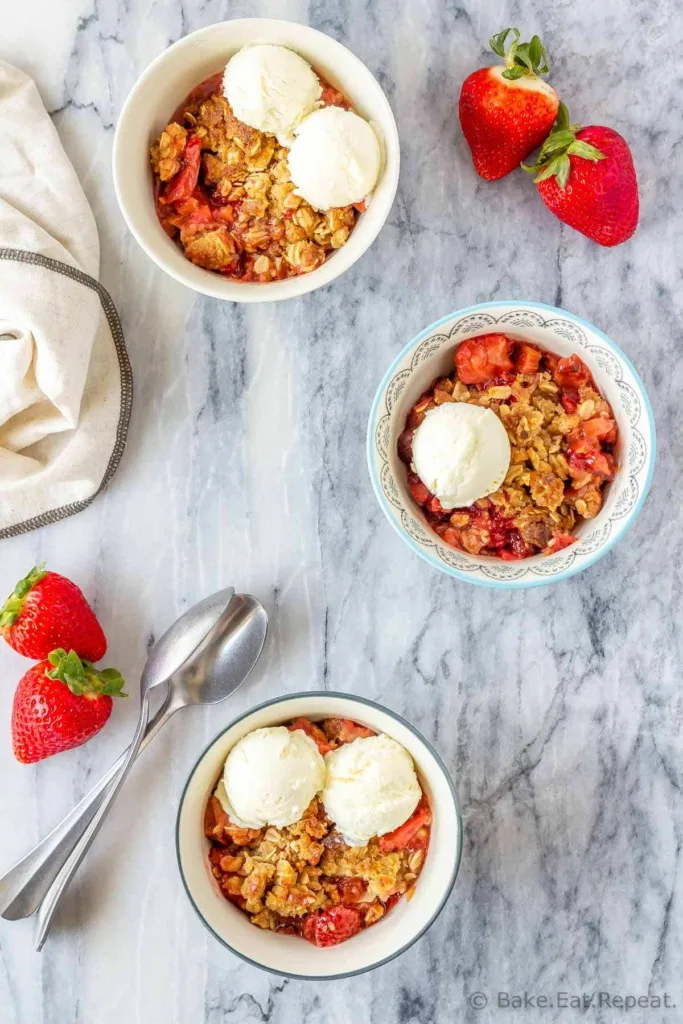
point(207, 675)
point(24, 886)
point(240, 641)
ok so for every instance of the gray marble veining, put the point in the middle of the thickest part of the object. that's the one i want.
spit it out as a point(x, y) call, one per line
point(558, 710)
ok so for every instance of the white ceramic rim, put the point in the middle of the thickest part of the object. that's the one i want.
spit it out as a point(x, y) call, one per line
point(209, 283)
point(526, 580)
point(443, 771)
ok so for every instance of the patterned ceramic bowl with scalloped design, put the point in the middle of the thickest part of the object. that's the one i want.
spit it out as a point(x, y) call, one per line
point(430, 355)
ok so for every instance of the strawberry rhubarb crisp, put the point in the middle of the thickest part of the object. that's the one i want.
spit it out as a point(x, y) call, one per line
point(523, 489)
point(224, 187)
point(310, 877)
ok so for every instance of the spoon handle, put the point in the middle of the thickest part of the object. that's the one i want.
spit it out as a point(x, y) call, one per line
point(26, 884)
point(48, 907)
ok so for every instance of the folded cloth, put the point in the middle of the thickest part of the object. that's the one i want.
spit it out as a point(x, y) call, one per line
point(65, 379)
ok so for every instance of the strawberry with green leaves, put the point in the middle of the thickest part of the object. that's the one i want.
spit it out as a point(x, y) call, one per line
point(60, 703)
point(586, 177)
point(507, 112)
point(45, 611)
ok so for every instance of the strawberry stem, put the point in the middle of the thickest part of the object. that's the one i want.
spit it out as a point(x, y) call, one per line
point(11, 609)
point(553, 158)
point(520, 58)
point(82, 678)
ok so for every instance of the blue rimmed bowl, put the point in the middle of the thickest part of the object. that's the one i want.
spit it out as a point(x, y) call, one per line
point(430, 355)
point(286, 954)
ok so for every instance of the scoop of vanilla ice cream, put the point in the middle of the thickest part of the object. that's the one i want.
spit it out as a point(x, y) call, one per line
point(271, 88)
point(371, 788)
point(461, 453)
point(270, 777)
point(334, 159)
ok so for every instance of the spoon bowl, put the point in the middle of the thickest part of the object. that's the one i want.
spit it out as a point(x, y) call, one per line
point(225, 657)
point(181, 640)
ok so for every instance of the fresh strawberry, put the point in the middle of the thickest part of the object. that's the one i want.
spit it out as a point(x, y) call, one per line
point(331, 926)
point(60, 703)
point(46, 611)
point(505, 113)
point(586, 177)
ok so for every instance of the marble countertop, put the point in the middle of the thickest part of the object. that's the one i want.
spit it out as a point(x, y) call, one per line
point(558, 710)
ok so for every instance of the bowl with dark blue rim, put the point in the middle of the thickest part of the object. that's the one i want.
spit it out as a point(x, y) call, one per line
point(290, 955)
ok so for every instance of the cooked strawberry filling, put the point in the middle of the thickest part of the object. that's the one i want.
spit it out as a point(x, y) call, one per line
point(224, 194)
point(562, 434)
point(305, 879)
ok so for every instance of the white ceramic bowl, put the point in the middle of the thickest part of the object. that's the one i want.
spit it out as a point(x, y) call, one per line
point(164, 85)
point(287, 954)
point(430, 355)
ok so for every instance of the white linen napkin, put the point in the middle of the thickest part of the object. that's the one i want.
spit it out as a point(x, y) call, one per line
point(65, 380)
